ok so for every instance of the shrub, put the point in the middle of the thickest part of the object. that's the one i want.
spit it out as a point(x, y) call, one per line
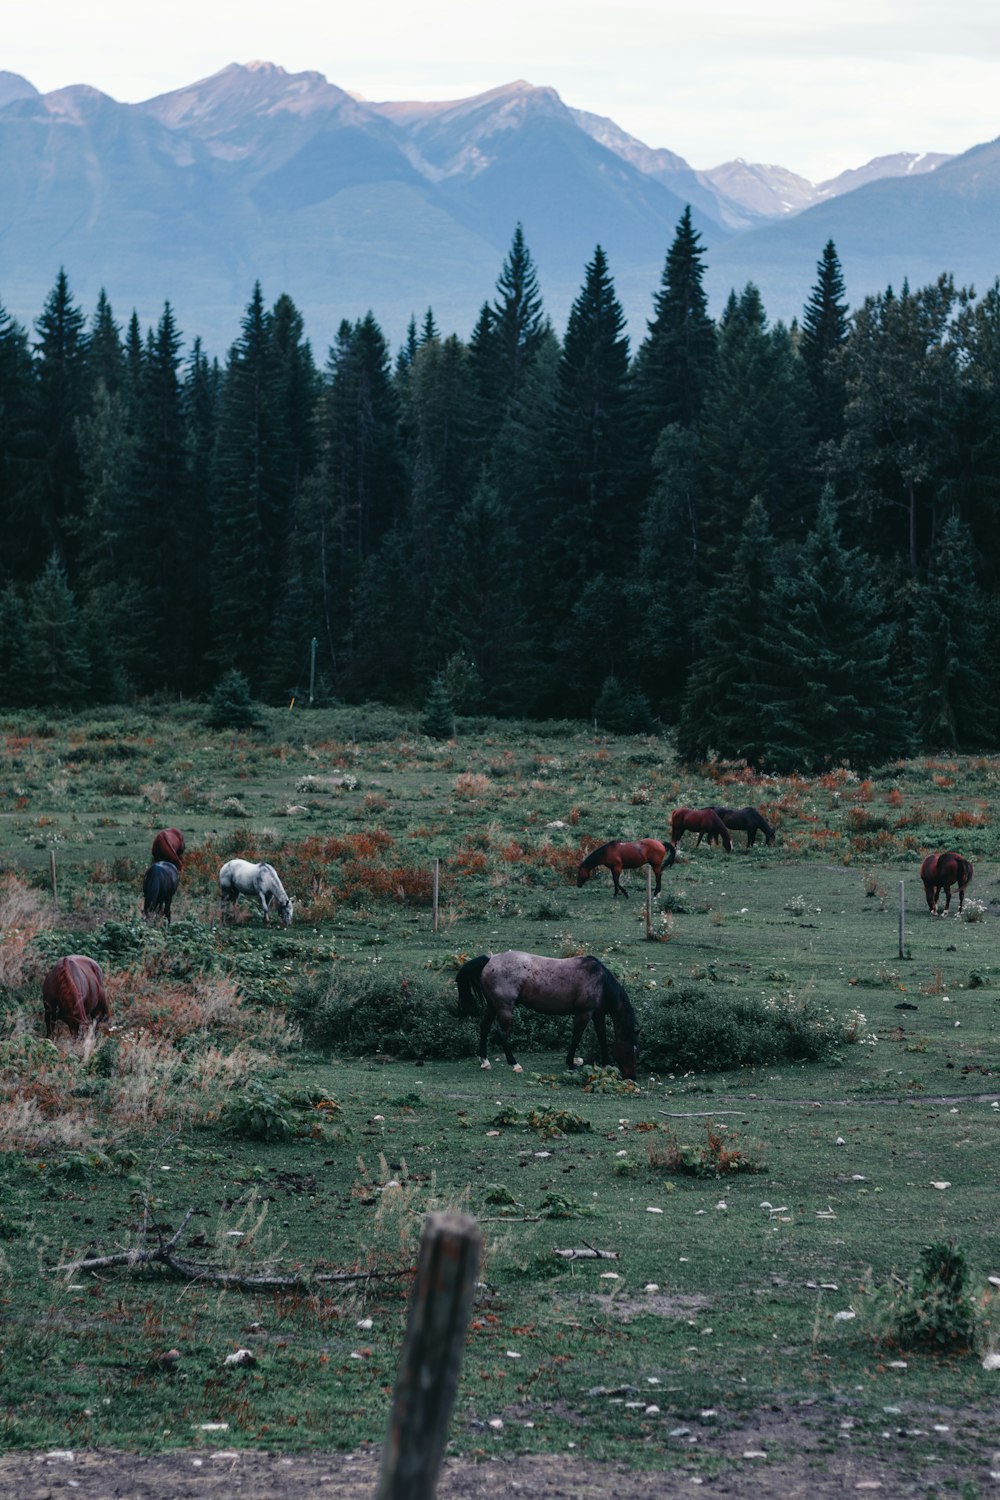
point(720, 1156)
point(933, 1310)
point(682, 1030)
point(361, 1011)
point(231, 706)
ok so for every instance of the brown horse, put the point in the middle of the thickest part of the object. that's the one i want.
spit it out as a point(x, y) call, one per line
point(745, 820)
point(73, 991)
point(703, 821)
point(169, 846)
point(623, 854)
point(580, 987)
point(939, 872)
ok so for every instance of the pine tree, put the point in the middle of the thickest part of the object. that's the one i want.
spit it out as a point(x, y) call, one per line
point(823, 336)
point(673, 365)
point(518, 322)
point(14, 681)
point(727, 705)
point(106, 354)
point(18, 496)
point(57, 667)
point(61, 390)
point(958, 701)
point(753, 431)
point(828, 653)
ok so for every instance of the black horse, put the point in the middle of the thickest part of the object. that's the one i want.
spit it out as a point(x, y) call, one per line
point(158, 887)
point(746, 820)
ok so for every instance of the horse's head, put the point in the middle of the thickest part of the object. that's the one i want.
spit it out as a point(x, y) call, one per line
point(582, 875)
point(623, 1053)
point(285, 910)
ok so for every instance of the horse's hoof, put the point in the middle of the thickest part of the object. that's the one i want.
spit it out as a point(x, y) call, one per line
point(518, 1068)
point(485, 1063)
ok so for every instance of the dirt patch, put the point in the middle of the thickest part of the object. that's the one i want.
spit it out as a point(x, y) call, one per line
point(776, 1454)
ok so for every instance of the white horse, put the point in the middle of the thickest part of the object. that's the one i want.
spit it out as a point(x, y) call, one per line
point(241, 877)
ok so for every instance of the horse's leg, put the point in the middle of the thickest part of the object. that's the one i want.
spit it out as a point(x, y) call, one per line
point(580, 1023)
point(503, 1014)
point(484, 1032)
point(601, 1028)
point(657, 871)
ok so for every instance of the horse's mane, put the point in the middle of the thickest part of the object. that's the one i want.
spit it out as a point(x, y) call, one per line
point(615, 998)
point(64, 986)
point(471, 995)
point(594, 857)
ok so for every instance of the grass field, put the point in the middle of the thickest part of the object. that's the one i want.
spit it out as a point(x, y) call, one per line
point(758, 1213)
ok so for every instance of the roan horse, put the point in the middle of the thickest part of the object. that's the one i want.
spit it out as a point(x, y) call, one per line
point(579, 987)
point(241, 877)
point(745, 820)
point(169, 845)
point(939, 872)
point(73, 991)
point(622, 855)
point(703, 821)
point(159, 885)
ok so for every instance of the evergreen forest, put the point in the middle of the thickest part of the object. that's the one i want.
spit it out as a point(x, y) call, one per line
point(780, 542)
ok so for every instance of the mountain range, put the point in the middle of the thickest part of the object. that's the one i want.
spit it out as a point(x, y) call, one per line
point(348, 204)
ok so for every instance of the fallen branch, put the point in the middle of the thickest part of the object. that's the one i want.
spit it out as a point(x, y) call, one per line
point(192, 1270)
point(586, 1253)
point(697, 1114)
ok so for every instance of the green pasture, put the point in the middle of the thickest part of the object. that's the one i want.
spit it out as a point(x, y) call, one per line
point(728, 1293)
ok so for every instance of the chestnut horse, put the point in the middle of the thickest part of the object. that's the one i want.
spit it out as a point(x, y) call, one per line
point(939, 872)
point(580, 987)
point(73, 991)
point(703, 821)
point(745, 820)
point(621, 855)
point(169, 846)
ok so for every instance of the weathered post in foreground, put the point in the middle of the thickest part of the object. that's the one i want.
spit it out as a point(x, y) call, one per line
point(431, 1358)
point(649, 902)
point(436, 888)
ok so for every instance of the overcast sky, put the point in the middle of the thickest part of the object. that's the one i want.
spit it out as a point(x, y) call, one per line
point(817, 87)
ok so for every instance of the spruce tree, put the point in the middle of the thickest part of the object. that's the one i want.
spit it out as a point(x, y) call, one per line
point(823, 336)
point(957, 700)
point(674, 362)
point(18, 494)
point(57, 667)
point(61, 400)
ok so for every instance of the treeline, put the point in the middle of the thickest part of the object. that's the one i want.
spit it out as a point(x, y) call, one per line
point(782, 540)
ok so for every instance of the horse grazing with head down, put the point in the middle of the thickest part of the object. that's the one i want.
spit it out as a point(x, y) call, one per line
point(240, 877)
point(745, 820)
point(939, 872)
point(169, 846)
point(704, 821)
point(622, 855)
point(159, 885)
point(579, 987)
point(73, 991)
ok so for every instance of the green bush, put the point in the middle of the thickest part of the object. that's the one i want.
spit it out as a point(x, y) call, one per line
point(231, 706)
point(686, 1030)
point(933, 1310)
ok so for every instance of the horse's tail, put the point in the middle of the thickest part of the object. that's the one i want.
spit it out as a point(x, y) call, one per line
point(966, 869)
point(471, 995)
point(150, 890)
point(671, 853)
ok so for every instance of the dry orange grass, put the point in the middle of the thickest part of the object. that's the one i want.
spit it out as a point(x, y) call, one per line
point(23, 915)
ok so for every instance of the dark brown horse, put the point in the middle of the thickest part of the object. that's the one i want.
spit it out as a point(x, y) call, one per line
point(73, 991)
point(703, 821)
point(939, 872)
point(623, 854)
point(159, 886)
point(169, 846)
point(745, 820)
point(579, 987)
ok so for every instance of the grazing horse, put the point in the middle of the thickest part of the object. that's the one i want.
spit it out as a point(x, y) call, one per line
point(169, 845)
point(745, 820)
point(579, 987)
point(73, 991)
point(159, 885)
point(703, 821)
point(939, 872)
point(622, 855)
point(240, 877)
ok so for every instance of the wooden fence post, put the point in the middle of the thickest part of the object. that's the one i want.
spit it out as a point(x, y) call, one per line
point(436, 883)
point(431, 1357)
point(649, 902)
point(52, 871)
point(902, 908)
